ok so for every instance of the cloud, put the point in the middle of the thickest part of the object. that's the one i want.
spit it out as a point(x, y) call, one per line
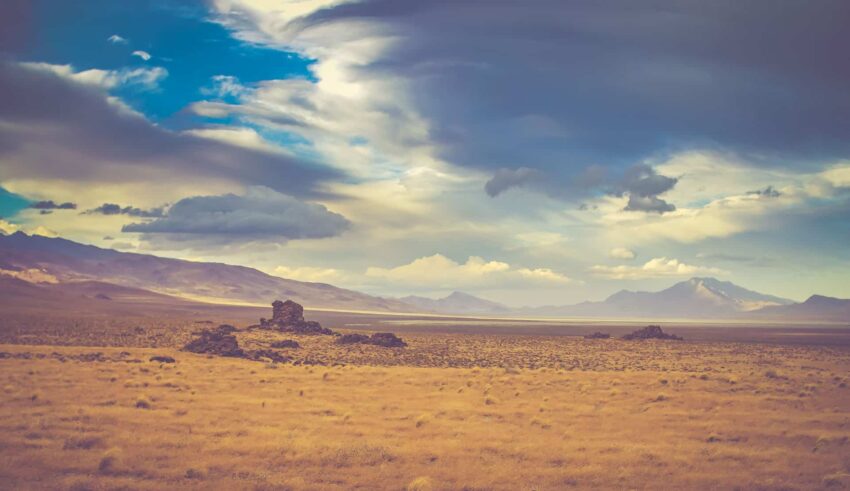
point(768, 192)
point(505, 179)
point(659, 267)
point(439, 272)
point(8, 228)
point(643, 185)
point(224, 86)
point(114, 209)
point(144, 55)
point(621, 253)
point(116, 39)
point(50, 205)
point(261, 213)
point(612, 83)
point(57, 129)
point(145, 78)
point(311, 274)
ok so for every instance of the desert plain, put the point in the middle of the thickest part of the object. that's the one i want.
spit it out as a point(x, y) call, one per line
point(84, 406)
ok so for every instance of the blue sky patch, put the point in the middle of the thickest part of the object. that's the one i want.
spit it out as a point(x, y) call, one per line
point(11, 203)
point(178, 36)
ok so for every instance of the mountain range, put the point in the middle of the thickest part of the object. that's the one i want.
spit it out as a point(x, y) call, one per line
point(695, 298)
point(53, 269)
point(456, 303)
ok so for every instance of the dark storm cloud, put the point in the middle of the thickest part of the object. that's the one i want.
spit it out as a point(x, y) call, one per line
point(768, 192)
point(114, 209)
point(261, 213)
point(51, 205)
point(643, 185)
point(624, 80)
point(60, 129)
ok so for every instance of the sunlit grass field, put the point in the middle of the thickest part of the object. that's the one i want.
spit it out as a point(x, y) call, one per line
point(448, 412)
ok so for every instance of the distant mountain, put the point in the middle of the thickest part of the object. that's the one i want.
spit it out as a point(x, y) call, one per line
point(695, 298)
point(456, 303)
point(816, 307)
point(61, 260)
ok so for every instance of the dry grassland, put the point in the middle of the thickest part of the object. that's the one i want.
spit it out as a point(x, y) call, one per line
point(448, 412)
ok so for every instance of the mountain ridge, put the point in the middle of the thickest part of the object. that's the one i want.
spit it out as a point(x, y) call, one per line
point(67, 261)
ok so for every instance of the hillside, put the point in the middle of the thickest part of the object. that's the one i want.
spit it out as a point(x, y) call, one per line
point(63, 261)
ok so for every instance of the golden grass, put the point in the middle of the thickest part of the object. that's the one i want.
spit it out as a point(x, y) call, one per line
point(589, 415)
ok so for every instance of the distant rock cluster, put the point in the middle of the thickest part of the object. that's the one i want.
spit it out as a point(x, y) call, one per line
point(597, 335)
point(288, 316)
point(651, 332)
point(385, 339)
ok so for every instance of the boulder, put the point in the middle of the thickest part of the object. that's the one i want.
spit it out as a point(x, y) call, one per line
point(651, 332)
point(162, 359)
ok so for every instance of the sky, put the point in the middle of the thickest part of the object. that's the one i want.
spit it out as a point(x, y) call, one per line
point(531, 153)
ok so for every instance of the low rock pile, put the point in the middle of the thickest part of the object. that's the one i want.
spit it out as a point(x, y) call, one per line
point(289, 317)
point(218, 341)
point(286, 343)
point(222, 342)
point(385, 339)
point(651, 332)
point(597, 335)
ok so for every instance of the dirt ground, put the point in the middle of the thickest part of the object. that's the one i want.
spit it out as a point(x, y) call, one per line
point(450, 411)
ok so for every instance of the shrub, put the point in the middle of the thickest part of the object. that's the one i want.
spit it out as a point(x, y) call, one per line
point(109, 461)
point(420, 484)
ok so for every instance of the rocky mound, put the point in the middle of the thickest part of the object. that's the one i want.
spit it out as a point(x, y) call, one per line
point(218, 341)
point(286, 343)
point(651, 332)
point(289, 317)
point(385, 339)
point(222, 342)
point(597, 335)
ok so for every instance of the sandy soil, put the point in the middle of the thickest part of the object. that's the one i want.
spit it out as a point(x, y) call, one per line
point(448, 412)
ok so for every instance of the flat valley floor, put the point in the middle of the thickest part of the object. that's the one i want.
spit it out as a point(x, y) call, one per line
point(450, 411)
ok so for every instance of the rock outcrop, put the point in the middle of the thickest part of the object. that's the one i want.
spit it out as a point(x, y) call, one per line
point(597, 335)
point(385, 339)
point(218, 341)
point(651, 332)
point(288, 316)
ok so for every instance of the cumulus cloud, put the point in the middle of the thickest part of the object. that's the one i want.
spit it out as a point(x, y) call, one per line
point(51, 205)
point(114, 209)
point(621, 253)
point(261, 213)
point(144, 55)
point(439, 272)
point(659, 267)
